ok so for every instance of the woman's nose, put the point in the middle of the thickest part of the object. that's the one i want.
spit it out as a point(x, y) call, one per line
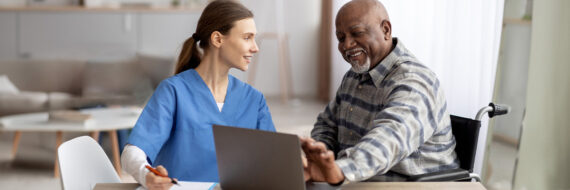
point(255, 49)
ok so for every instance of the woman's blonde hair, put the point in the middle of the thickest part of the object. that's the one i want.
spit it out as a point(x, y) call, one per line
point(220, 16)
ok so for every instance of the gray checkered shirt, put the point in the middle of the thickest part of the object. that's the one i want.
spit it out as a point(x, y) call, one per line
point(390, 122)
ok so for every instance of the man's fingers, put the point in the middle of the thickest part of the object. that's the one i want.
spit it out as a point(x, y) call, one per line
point(317, 147)
point(306, 174)
point(314, 149)
point(328, 156)
point(305, 141)
point(310, 145)
point(325, 159)
point(305, 164)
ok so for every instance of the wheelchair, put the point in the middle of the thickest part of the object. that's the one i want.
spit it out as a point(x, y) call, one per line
point(466, 133)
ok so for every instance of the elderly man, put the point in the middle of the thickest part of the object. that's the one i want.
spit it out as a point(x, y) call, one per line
point(389, 118)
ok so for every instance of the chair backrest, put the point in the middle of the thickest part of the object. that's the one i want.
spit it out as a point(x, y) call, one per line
point(83, 163)
point(466, 133)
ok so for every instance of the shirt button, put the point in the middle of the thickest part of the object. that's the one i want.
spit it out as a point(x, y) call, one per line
point(359, 86)
point(350, 109)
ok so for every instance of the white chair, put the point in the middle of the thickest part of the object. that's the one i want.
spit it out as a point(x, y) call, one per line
point(83, 163)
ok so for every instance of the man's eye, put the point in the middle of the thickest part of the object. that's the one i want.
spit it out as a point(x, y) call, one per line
point(340, 39)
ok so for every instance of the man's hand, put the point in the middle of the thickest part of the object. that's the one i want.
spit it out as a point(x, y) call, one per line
point(311, 171)
point(320, 165)
point(155, 182)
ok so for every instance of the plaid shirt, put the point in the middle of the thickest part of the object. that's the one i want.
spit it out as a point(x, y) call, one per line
point(391, 121)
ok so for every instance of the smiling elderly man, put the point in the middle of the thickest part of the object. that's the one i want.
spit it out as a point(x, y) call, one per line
point(389, 118)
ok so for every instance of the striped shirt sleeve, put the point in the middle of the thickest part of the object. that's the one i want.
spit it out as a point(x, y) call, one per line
point(325, 129)
point(398, 129)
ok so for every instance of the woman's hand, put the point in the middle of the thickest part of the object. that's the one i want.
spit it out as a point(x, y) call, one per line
point(155, 182)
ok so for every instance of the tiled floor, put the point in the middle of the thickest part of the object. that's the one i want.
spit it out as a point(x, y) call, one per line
point(33, 166)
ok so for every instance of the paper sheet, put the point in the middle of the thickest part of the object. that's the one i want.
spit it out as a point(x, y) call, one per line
point(187, 185)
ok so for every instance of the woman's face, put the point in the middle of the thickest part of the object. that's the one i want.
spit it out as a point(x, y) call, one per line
point(239, 44)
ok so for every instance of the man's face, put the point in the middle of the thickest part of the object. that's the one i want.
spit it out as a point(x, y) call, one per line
point(361, 40)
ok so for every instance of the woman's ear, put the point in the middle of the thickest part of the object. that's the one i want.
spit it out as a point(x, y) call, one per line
point(216, 39)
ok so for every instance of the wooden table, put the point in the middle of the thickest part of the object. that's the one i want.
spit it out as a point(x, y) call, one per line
point(353, 186)
point(102, 119)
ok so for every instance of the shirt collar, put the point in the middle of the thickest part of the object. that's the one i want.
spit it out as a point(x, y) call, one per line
point(378, 73)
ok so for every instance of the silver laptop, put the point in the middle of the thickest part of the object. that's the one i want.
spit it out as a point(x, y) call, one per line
point(254, 159)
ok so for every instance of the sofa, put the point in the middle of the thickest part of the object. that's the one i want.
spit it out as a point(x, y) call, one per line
point(43, 85)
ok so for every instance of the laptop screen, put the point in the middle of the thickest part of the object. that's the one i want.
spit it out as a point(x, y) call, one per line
point(254, 159)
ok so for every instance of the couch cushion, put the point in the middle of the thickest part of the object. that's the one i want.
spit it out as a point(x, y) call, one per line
point(157, 68)
point(60, 100)
point(45, 76)
point(23, 102)
point(6, 86)
point(115, 79)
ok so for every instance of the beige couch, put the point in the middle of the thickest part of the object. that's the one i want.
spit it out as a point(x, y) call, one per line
point(49, 85)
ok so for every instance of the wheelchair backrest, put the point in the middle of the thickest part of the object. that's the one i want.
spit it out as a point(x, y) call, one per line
point(466, 133)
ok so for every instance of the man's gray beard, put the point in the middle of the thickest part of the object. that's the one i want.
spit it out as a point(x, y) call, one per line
point(357, 68)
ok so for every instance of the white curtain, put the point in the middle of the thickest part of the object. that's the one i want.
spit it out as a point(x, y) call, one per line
point(458, 40)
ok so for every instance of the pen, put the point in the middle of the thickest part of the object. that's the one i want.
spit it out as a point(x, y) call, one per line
point(159, 174)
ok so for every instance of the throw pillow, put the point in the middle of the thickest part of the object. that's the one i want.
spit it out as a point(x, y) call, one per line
point(6, 86)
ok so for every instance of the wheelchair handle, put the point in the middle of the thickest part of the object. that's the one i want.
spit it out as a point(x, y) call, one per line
point(499, 109)
point(493, 110)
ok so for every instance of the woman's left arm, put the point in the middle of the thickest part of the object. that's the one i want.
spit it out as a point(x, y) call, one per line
point(264, 121)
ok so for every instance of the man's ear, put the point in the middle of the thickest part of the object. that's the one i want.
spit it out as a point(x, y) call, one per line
point(216, 39)
point(386, 29)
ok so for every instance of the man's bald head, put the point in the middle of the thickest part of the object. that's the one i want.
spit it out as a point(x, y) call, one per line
point(364, 33)
point(372, 8)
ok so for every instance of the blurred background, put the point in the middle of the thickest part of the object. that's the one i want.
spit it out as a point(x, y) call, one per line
point(72, 54)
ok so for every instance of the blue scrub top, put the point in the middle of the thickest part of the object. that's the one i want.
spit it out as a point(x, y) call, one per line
point(175, 127)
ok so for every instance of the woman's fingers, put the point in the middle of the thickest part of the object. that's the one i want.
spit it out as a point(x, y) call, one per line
point(155, 182)
point(162, 170)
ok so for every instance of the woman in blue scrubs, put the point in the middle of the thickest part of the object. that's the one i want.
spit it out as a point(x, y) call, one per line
point(174, 131)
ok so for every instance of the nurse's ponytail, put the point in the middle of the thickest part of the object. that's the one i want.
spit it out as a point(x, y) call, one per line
point(220, 16)
point(189, 57)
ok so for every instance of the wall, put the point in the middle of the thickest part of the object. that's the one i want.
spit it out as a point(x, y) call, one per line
point(97, 36)
point(512, 70)
point(301, 22)
point(164, 33)
point(117, 36)
point(8, 43)
point(544, 153)
point(338, 65)
point(511, 79)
